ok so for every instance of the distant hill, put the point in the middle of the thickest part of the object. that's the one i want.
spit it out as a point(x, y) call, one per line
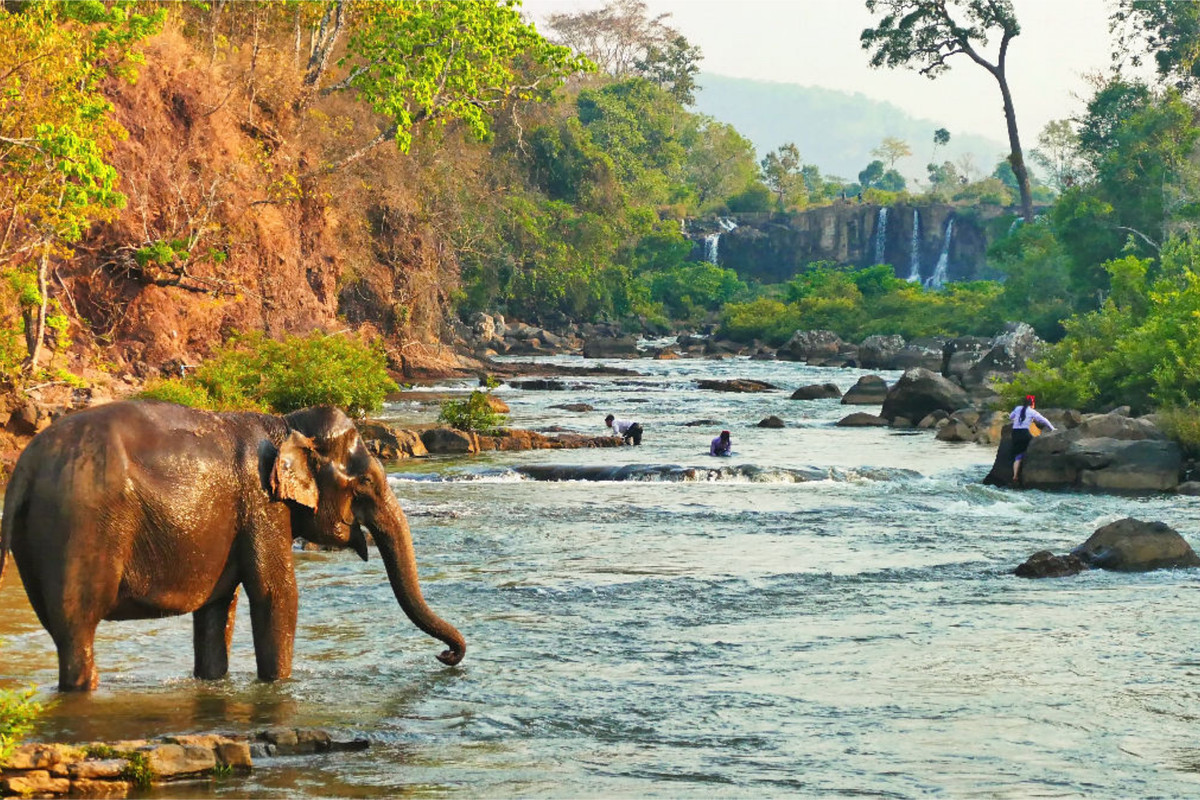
point(834, 130)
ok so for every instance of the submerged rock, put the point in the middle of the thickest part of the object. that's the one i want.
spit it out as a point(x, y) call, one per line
point(817, 391)
point(1127, 545)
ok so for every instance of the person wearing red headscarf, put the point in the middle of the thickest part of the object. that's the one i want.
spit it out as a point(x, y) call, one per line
point(1022, 417)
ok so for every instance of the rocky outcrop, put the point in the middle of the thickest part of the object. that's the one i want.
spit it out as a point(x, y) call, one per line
point(878, 352)
point(870, 390)
point(861, 419)
point(610, 347)
point(1105, 452)
point(115, 769)
point(811, 345)
point(735, 385)
point(925, 353)
point(817, 391)
point(1127, 545)
point(919, 392)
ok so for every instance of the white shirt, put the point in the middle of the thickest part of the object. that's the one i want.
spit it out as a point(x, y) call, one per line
point(621, 427)
point(1030, 416)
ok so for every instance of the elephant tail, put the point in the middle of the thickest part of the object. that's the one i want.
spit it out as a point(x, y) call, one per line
point(16, 500)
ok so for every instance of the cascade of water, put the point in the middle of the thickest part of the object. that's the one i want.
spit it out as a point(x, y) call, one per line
point(938, 279)
point(880, 235)
point(726, 224)
point(914, 269)
point(710, 247)
point(1014, 225)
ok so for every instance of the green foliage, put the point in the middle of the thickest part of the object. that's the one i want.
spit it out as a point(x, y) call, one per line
point(689, 290)
point(138, 770)
point(1141, 348)
point(855, 303)
point(418, 61)
point(253, 372)
point(474, 413)
point(1182, 424)
point(18, 713)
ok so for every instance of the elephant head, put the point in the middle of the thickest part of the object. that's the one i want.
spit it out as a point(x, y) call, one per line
point(335, 488)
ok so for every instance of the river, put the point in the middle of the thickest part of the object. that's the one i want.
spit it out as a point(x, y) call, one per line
point(830, 612)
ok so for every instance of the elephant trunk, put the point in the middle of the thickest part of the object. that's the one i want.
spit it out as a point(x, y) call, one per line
point(394, 540)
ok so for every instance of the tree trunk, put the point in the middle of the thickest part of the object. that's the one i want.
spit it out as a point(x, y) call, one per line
point(394, 540)
point(1016, 158)
point(35, 319)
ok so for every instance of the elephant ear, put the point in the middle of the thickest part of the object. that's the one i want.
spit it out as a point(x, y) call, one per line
point(292, 477)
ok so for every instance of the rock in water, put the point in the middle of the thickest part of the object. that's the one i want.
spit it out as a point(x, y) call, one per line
point(1130, 545)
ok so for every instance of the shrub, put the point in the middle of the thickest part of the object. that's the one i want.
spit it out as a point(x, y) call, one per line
point(18, 711)
point(253, 372)
point(474, 413)
point(1182, 423)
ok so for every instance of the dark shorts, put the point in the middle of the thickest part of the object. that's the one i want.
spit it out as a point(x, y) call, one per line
point(1021, 437)
point(634, 432)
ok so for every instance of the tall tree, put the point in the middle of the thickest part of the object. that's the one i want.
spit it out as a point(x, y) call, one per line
point(891, 150)
point(622, 39)
point(782, 173)
point(925, 34)
point(1057, 153)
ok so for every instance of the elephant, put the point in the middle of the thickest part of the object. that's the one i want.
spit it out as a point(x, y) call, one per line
point(140, 508)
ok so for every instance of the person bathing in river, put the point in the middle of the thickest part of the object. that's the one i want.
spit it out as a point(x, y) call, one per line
point(721, 446)
point(1022, 417)
point(629, 431)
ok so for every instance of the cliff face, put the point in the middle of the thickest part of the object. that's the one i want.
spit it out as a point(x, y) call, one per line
point(210, 171)
point(772, 248)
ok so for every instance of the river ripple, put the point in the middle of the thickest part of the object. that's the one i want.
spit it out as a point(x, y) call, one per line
point(831, 615)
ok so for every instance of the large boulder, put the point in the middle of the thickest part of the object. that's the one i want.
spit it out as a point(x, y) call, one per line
point(811, 346)
point(610, 347)
point(1130, 545)
point(919, 392)
point(878, 352)
point(870, 390)
point(1106, 452)
point(926, 353)
point(817, 391)
point(1008, 355)
point(962, 353)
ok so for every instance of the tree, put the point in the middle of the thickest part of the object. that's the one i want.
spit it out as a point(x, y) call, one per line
point(941, 138)
point(625, 41)
point(719, 163)
point(1058, 146)
point(782, 173)
point(56, 131)
point(924, 34)
point(1167, 30)
point(423, 61)
point(892, 150)
point(876, 177)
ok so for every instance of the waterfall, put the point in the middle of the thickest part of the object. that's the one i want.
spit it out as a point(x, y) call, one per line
point(1016, 222)
point(938, 279)
point(914, 269)
point(712, 240)
point(710, 247)
point(880, 235)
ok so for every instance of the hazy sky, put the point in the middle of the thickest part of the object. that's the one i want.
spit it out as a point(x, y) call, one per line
point(815, 42)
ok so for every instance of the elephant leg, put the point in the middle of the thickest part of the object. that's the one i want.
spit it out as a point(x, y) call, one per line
point(212, 634)
point(273, 607)
point(76, 661)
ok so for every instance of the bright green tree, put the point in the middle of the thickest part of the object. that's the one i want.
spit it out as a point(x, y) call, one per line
point(428, 62)
point(55, 131)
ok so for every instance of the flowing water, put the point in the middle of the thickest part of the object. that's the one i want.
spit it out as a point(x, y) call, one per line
point(829, 612)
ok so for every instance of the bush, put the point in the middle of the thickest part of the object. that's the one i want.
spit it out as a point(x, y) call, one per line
point(1182, 423)
point(253, 372)
point(475, 413)
point(18, 711)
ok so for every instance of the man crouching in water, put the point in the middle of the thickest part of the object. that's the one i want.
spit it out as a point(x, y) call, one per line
point(629, 431)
